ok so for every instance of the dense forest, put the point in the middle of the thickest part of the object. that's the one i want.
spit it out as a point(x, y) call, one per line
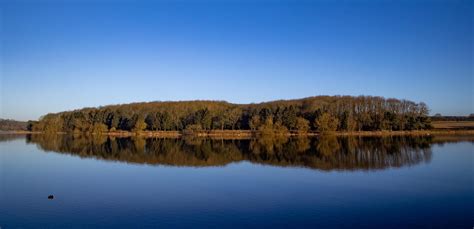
point(10, 125)
point(321, 113)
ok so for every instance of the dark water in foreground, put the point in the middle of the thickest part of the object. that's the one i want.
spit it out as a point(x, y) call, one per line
point(328, 182)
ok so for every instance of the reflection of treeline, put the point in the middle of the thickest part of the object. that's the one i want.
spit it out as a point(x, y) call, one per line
point(322, 113)
point(326, 152)
point(441, 139)
point(10, 137)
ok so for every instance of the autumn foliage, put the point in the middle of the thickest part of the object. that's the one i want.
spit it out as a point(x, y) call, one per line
point(320, 113)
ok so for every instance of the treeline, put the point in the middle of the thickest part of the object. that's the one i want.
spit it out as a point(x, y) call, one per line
point(12, 125)
point(321, 113)
point(439, 117)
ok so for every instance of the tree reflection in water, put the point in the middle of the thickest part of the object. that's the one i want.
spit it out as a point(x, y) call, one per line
point(324, 152)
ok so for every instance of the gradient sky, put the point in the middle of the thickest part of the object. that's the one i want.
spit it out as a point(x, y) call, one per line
point(63, 55)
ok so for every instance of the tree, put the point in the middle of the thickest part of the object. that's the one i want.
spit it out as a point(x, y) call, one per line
point(52, 123)
point(206, 119)
point(150, 121)
point(194, 127)
point(347, 122)
point(202, 118)
point(30, 125)
point(231, 117)
point(325, 123)
point(302, 125)
point(126, 122)
point(267, 127)
point(279, 128)
point(254, 122)
point(140, 125)
point(289, 118)
point(361, 113)
point(115, 121)
point(166, 121)
point(265, 113)
point(271, 128)
point(99, 128)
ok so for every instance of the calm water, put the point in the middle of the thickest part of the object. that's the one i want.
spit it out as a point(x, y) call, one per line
point(326, 182)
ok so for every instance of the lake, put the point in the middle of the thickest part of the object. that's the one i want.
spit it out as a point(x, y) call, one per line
point(327, 182)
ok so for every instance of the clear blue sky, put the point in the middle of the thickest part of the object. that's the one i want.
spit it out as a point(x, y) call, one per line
point(59, 56)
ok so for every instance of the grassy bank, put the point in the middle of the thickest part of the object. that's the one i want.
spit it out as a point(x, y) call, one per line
point(453, 125)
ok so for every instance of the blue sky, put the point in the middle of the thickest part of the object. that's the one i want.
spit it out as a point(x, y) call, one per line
point(63, 55)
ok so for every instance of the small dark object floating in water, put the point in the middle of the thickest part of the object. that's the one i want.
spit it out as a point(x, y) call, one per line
point(50, 197)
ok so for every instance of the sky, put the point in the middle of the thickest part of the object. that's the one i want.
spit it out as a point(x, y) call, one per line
point(58, 55)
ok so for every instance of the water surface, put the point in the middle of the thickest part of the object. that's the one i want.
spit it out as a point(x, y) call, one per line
point(328, 182)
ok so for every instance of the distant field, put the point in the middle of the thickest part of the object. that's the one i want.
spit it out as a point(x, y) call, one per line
point(454, 125)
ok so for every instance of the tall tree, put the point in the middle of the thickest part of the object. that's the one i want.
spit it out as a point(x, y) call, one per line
point(325, 122)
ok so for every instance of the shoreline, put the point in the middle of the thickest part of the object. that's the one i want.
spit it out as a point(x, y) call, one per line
point(249, 133)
